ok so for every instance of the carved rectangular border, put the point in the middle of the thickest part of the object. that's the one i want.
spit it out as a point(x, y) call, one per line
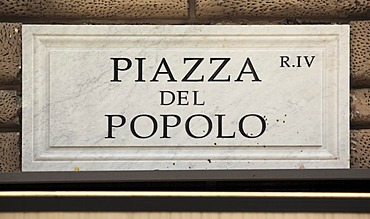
point(38, 155)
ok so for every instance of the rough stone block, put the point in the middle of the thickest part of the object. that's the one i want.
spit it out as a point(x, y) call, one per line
point(360, 54)
point(281, 8)
point(360, 107)
point(9, 107)
point(9, 152)
point(360, 148)
point(94, 9)
point(10, 52)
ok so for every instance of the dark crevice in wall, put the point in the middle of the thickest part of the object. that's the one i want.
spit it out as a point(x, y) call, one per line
point(192, 9)
point(17, 87)
point(10, 128)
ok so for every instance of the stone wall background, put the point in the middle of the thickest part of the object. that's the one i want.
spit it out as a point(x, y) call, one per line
point(14, 13)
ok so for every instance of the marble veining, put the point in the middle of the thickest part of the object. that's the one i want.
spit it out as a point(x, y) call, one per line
point(119, 97)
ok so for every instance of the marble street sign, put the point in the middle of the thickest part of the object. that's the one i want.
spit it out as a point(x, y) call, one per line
point(185, 97)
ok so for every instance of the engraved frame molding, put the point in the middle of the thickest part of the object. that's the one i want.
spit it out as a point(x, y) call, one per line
point(38, 155)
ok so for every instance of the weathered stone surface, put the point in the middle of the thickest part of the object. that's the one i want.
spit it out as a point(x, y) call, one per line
point(360, 148)
point(9, 106)
point(281, 8)
point(9, 152)
point(10, 52)
point(360, 107)
point(89, 9)
point(360, 53)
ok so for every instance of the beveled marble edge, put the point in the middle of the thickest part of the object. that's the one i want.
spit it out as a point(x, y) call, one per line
point(253, 30)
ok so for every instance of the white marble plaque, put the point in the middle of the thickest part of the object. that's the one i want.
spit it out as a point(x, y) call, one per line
point(185, 97)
